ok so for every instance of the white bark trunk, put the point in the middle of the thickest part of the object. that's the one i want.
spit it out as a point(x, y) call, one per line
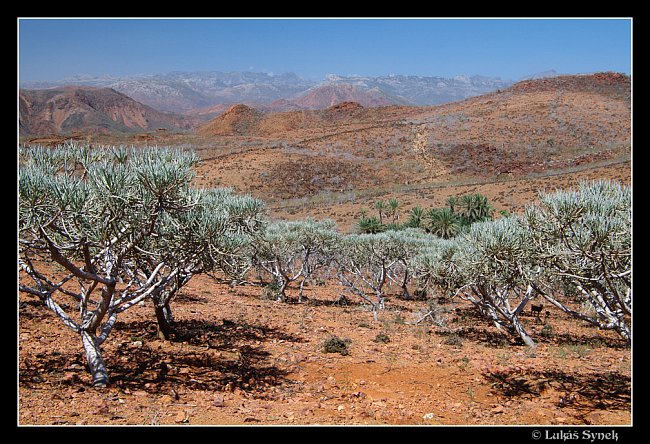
point(95, 360)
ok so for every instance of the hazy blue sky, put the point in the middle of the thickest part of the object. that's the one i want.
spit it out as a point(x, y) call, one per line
point(52, 49)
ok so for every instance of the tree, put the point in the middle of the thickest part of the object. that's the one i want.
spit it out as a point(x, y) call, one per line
point(89, 210)
point(452, 201)
point(434, 265)
point(497, 274)
point(582, 239)
point(474, 208)
point(443, 222)
point(288, 250)
point(380, 206)
point(416, 217)
point(214, 235)
point(393, 206)
point(367, 262)
point(123, 225)
point(487, 266)
point(370, 225)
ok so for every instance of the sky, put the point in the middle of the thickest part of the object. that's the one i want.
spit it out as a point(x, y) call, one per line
point(54, 49)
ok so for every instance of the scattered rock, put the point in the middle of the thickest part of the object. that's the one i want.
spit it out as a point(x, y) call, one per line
point(218, 401)
point(498, 409)
point(181, 417)
point(595, 417)
point(70, 377)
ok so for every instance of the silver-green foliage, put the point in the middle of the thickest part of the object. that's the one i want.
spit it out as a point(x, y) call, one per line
point(582, 239)
point(123, 225)
point(576, 239)
point(289, 250)
point(367, 262)
point(494, 265)
point(213, 234)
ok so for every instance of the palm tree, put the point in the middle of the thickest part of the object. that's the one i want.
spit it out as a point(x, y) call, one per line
point(393, 205)
point(380, 206)
point(474, 208)
point(443, 222)
point(415, 218)
point(452, 201)
point(370, 225)
point(484, 210)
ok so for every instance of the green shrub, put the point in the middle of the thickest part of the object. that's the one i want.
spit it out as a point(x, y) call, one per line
point(382, 337)
point(454, 340)
point(336, 345)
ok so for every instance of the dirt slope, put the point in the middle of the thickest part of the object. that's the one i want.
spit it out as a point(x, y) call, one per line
point(86, 109)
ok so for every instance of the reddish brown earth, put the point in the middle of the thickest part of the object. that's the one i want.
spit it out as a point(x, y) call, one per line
point(63, 111)
point(332, 94)
point(243, 359)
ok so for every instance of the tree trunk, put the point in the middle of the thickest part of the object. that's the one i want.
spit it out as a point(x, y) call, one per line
point(165, 321)
point(302, 284)
point(282, 284)
point(522, 333)
point(95, 361)
point(405, 291)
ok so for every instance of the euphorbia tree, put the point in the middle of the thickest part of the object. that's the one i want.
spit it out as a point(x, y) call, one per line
point(497, 275)
point(289, 250)
point(367, 262)
point(582, 238)
point(104, 216)
point(212, 236)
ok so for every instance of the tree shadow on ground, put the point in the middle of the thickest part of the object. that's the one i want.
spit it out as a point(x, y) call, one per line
point(50, 368)
point(594, 341)
point(157, 370)
point(201, 356)
point(191, 297)
point(483, 331)
point(583, 391)
point(493, 338)
point(223, 357)
point(35, 309)
point(208, 333)
point(241, 365)
point(228, 333)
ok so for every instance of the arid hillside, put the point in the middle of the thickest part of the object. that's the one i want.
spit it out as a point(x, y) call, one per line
point(349, 154)
point(241, 357)
point(66, 110)
point(335, 161)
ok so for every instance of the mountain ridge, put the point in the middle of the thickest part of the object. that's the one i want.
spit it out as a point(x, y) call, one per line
point(185, 92)
point(70, 109)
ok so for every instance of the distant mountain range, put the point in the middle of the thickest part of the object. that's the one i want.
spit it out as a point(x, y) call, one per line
point(198, 92)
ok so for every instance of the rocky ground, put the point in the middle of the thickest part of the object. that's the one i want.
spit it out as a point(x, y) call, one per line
point(239, 358)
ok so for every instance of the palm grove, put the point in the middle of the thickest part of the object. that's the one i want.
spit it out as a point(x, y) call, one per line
point(104, 229)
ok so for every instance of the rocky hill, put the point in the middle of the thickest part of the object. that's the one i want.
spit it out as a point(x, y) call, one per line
point(245, 121)
point(565, 111)
point(330, 94)
point(88, 109)
point(536, 127)
point(237, 120)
